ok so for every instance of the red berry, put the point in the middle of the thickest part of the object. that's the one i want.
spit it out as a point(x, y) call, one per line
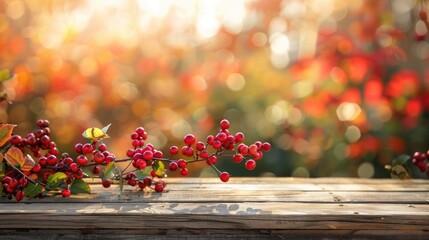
point(74, 167)
point(224, 124)
point(174, 150)
point(173, 166)
point(140, 131)
point(221, 137)
point(204, 154)
point(51, 160)
point(148, 155)
point(98, 157)
point(37, 168)
point(102, 147)
point(15, 139)
point(78, 174)
point(250, 164)
point(187, 151)
point(136, 143)
point(243, 149)
point(182, 163)
point(134, 136)
point(157, 154)
point(45, 140)
point(210, 139)
point(132, 182)
point(141, 164)
point(239, 137)
point(65, 192)
point(141, 185)
point(159, 187)
point(96, 169)
point(78, 148)
point(68, 161)
point(184, 172)
point(19, 195)
point(211, 160)
point(106, 183)
point(200, 146)
point(81, 160)
point(266, 147)
point(237, 158)
point(253, 149)
point(224, 176)
point(40, 123)
point(147, 181)
point(189, 139)
point(42, 161)
point(130, 152)
point(54, 151)
point(87, 148)
point(110, 158)
point(217, 144)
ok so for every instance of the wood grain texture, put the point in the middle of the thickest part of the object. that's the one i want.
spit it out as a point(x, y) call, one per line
point(244, 208)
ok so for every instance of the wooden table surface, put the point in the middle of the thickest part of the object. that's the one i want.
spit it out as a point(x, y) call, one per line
point(243, 208)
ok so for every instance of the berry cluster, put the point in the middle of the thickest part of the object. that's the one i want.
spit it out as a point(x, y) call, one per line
point(64, 173)
point(421, 160)
point(37, 140)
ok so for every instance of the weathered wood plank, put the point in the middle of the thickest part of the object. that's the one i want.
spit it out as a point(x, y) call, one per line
point(225, 196)
point(204, 234)
point(243, 208)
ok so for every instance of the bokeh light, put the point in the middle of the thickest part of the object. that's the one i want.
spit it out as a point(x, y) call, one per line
point(338, 87)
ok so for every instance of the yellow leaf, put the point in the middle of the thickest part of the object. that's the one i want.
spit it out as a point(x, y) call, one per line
point(95, 133)
point(5, 75)
point(14, 156)
point(5, 133)
point(28, 163)
point(1, 157)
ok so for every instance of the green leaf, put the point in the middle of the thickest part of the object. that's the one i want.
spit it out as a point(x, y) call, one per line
point(87, 171)
point(109, 171)
point(55, 180)
point(401, 160)
point(6, 75)
point(33, 190)
point(1, 190)
point(2, 170)
point(141, 174)
point(158, 168)
point(79, 186)
point(399, 171)
point(106, 128)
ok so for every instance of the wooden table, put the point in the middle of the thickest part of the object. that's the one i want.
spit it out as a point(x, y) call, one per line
point(244, 208)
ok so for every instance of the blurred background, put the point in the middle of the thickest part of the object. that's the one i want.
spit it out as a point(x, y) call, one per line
point(338, 87)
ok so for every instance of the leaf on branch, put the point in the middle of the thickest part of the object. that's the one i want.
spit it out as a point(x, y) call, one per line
point(33, 190)
point(28, 163)
point(14, 157)
point(158, 168)
point(6, 75)
point(2, 170)
point(140, 174)
point(109, 171)
point(401, 159)
point(55, 180)
point(5, 133)
point(88, 172)
point(79, 186)
point(96, 133)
